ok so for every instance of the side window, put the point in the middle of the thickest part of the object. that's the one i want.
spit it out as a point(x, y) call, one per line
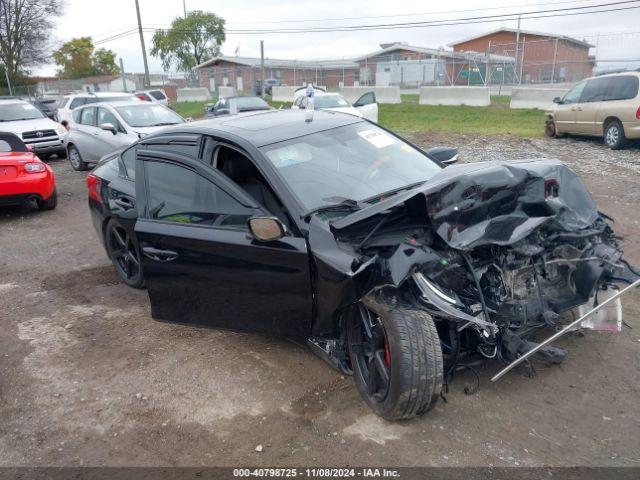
point(157, 94)
point(76, 116)
point(178, 194)
point(573, 95)
point(622, 88)
point(366, 99)
point(76, 102)
point(106, 116)
point(88, 116)
point(186, 149)
point(63, 102)
point(129, 161)
point(596, 90)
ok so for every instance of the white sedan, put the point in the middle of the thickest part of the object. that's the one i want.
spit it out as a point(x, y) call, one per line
point(365, 106)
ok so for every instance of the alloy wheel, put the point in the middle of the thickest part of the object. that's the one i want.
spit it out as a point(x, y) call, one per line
point(74, 158)
point(123, 253)
point(613, 134)
point(370, 350)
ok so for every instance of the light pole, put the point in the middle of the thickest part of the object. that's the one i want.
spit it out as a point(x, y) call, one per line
point(184, 7)
point(144, 50)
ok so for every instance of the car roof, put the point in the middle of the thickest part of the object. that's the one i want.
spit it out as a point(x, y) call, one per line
point(119, 103)
point(101, 94)
point(271, 126)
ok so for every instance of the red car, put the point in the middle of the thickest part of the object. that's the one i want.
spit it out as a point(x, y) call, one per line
point(23, 176)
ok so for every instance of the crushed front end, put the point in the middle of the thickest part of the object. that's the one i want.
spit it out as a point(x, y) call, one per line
point(493, 251)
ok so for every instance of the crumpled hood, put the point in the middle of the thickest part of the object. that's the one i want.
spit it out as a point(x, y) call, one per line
point(495, 202)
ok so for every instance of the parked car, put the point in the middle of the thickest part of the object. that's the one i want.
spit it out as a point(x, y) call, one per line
point(69, 102)
point(340, 234)
point(153, 96)
point(48, 106)
point(606, 106)
point(97, 130)
point(24, 178)
point(269, 83)
point(235, 105)
point(39, 132)
point(365, 106)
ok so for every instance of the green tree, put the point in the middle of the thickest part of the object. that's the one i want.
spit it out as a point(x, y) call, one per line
point(189, 41)
point(77, 59)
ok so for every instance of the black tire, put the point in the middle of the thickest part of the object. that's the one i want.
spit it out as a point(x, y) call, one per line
point(50, 203)
point(412, 356)
point(124, 253)
point(614, 135)
point(551, 131)
point(75, 159)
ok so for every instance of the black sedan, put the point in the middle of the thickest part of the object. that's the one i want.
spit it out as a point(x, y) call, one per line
point(336, 232)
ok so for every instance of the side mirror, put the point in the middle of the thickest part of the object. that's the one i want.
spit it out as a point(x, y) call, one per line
point(557, 100)
point(446, 155)
point(266, 229)
point(108, 127)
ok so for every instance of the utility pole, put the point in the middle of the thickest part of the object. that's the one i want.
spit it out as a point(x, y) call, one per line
point(6, 75)
point(262, 67)
point(124, 81)
point(553, 68)
point(144, 50)
point(517, 47)
point(184, 7)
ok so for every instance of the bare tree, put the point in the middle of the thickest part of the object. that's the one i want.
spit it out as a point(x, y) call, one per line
point(25, 28)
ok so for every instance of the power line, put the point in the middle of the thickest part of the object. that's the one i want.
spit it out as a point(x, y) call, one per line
point(559, 12)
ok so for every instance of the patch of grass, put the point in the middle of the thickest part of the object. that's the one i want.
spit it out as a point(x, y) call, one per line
point(492, 120)
point(190, 109)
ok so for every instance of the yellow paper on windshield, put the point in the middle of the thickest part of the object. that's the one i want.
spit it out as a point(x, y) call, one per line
point(377, 138)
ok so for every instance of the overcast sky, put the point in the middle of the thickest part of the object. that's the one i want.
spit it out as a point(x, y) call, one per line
point(101, 19)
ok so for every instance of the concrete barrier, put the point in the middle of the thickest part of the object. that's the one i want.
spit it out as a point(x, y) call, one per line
point(199, 94)
point(225, 92)
point(536, 97)
point(283, 94)
point(471, 96)
point(383, 94)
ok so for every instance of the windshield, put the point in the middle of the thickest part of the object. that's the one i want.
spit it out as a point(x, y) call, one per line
point(329, 101)
point(357, 162)
point(251, 103)
point(147, 115)
point(10, 112)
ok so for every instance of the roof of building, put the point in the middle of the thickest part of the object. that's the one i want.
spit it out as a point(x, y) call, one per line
point(280, 63)
point(581, 43)
point(437, 52)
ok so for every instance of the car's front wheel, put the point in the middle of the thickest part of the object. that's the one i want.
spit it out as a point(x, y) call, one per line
point(614, 135)
point(75, 159)
point(396, 360)
point(123, 251)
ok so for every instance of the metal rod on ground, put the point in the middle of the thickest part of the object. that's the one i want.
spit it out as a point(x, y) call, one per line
point(144, 50)
point(124, 81)
point(262, 67)
point(563, 331)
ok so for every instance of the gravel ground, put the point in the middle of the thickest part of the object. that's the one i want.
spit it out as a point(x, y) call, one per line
point(88, 378)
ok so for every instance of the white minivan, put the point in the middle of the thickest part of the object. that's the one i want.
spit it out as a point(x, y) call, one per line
point(98, 130)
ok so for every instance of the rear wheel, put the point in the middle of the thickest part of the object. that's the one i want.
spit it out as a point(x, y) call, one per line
point(396, 360)
point(75, 159)
point(50, 203)
point(614, 135)
point(123, 252)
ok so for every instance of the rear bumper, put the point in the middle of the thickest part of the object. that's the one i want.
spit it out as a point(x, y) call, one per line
point(632, 129)
point(25, 188)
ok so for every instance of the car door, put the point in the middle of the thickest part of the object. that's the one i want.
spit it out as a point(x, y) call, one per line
point(107, 141)
point(565, 112)
point(84, 125)
point(367, 106)
point(200, 263)
point(586, 111)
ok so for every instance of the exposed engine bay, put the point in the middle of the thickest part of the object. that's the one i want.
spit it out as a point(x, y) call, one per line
point(494, 251)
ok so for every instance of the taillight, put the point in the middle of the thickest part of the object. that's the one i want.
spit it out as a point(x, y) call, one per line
point(638, 113)
point(34, 167)
point(143, 97)
point(93, 184)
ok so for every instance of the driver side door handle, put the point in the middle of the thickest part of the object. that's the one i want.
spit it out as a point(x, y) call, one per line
point(159, 255)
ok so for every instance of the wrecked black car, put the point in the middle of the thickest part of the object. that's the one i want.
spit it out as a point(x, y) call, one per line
point(335, 232)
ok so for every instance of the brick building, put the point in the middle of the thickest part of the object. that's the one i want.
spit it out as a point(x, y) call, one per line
point(540, 57)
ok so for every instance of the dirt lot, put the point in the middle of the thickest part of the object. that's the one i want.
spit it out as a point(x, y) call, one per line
point(88, 378)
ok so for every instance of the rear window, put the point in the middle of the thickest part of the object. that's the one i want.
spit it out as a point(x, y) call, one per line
point(157, 94)
point(622, 88)
point(63, 102)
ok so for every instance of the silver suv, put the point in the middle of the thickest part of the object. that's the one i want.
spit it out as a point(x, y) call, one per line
point(606, 106)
